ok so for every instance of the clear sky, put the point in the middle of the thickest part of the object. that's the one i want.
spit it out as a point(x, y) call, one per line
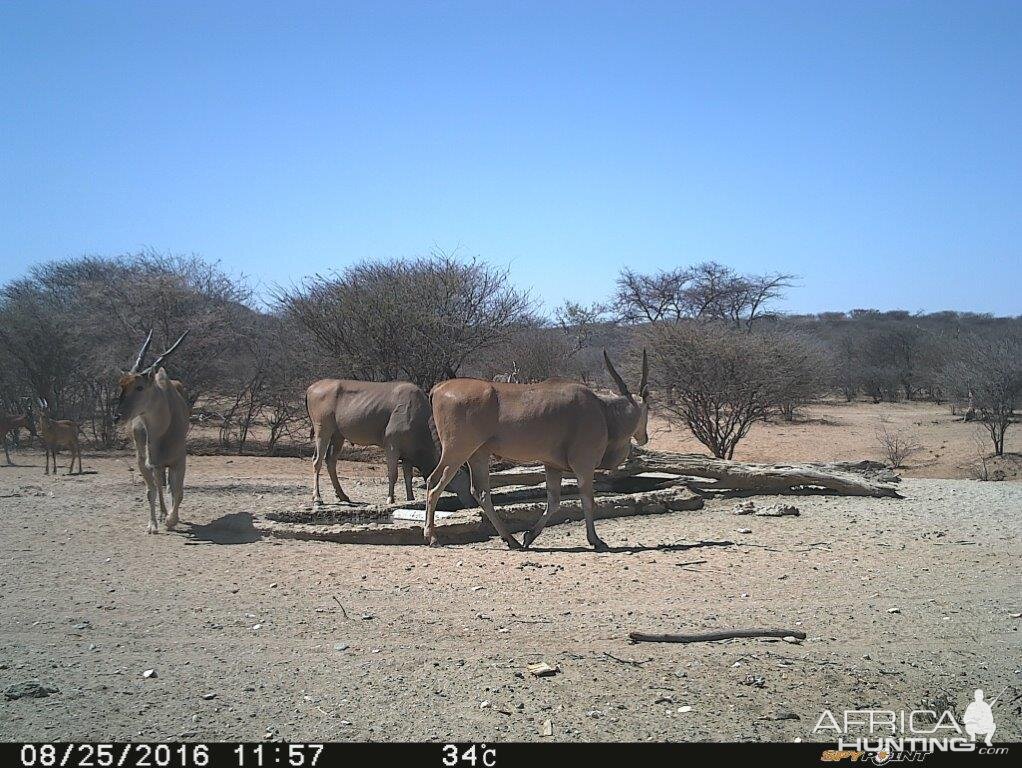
point(874, 148)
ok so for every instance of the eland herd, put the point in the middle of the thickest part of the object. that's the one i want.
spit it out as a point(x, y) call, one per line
point(448, 435)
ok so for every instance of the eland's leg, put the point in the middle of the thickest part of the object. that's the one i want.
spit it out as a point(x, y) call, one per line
point(553, 501)
point(148, 475)
point(333, 453)
point(150, 486)
point(479, 468)
point(160, 473)
point(176, 475)
point(322, 442)
point(407, 469)
point(392, 462)
point(8, 455)
point(435, 484)
point(585, 490)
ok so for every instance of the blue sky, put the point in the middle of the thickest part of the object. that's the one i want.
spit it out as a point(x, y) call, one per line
point(871, 147)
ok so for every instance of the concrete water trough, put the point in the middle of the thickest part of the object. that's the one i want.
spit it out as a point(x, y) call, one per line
point(520, 507)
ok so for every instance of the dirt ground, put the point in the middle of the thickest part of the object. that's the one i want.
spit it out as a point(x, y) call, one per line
point(838, 431)
point(254, 638)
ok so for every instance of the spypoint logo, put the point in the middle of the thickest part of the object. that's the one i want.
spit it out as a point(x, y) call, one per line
point(883, 735)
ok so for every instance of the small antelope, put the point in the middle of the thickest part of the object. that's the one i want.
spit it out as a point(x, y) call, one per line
point(57, 434)
point(510, 378)
point(10, 423)
point(564, 425)
point(157, 412)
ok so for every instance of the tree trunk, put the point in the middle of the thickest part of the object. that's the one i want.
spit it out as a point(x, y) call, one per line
point(761, 478)
point(729, 475)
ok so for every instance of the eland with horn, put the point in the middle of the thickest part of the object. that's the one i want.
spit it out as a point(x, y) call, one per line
point(564, 425)
point(157, 412)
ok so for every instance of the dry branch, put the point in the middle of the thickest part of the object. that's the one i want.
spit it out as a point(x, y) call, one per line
point(723, 634)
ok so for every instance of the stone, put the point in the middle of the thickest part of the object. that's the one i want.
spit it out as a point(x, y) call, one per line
point(778, 510)
point(744, 508)
point(547, 729)
point(149, 674)
point(542, 669)
point(28, 690)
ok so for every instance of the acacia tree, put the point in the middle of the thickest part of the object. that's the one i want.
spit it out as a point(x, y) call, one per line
point(36, 338)
point(72, 325)
point(722, 381)
point(987, 371)
point(707, 291)
point(422, 319)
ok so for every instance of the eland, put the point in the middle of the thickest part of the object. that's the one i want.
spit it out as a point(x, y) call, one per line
point(564, 425)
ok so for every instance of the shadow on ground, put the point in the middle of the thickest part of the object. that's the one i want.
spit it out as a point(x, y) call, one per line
point(636, 548)
point(235, 528)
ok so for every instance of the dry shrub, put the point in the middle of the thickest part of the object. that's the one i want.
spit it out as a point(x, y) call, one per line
point(895, 445)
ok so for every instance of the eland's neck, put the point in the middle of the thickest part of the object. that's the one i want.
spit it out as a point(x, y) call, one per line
point(622, 418)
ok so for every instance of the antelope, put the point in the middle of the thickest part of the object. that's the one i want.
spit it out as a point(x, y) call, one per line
point(509, 378)
point(564, 425)
point(57, 434)
point(10, 423)
point(155, 407)
point(394, 415)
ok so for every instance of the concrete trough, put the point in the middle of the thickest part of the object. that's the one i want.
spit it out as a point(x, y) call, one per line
point(402, 523)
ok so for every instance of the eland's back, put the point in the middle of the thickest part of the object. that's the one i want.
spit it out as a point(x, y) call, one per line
point(552, 422)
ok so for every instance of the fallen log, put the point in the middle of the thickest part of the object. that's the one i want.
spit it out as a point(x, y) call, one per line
point(654, 469)
point(759, 478)
point(723, 634)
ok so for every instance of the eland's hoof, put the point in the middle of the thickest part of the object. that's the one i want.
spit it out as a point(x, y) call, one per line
point(527, 539)
point(152, 528)
point(512, 543)
point(600, 545)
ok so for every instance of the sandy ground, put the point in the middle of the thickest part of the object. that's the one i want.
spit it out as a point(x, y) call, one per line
point(838, 431)
point(259, 638)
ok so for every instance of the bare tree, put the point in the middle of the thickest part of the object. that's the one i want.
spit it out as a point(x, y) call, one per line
point(800, 367)
point(534, 351)
point(651, 298)
point(987, 370)
point(71, 324)
point(723, 381)
point(707, 291)
point(420, 320)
